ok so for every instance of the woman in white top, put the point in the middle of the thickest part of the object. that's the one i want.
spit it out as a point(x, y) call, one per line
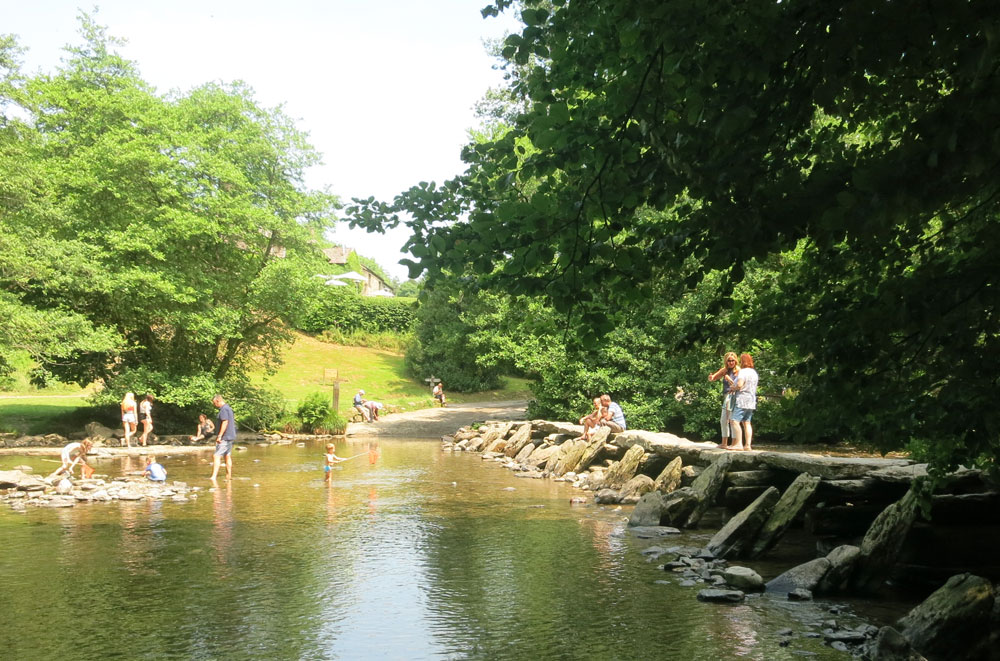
point(128, 417)
point(146, 415)
point(746, 404)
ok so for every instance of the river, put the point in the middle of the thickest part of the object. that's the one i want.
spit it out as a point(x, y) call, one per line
point(419, 555)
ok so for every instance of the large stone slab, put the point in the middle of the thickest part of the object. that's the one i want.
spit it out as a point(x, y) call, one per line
point(541, 454)
point(518, 440)
point(707, 487)
point(788, 507)
point(754, 478)
point(882, 543)
point(738, 534)
point(595, 446)
point(17, 479)
point(568, 457)
point(807, 575)
point(525, 452)
point(549, 427)
point(954, 622)
point(647, 511)
point(842, 561)
point(636, 488)
point(622, 471)
point(828, 468)
point(669, 478)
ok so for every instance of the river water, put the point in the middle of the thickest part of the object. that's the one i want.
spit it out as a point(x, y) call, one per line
point(419, 555)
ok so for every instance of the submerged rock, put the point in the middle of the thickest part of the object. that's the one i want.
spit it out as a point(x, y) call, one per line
point(721, 596)
point(806, 575)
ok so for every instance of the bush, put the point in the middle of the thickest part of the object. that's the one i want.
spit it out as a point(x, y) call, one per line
point(395, 342)
point(314, 410)
point(333, 423)
point(347, 312)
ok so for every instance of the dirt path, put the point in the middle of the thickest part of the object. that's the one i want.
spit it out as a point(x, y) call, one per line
point(436, 422)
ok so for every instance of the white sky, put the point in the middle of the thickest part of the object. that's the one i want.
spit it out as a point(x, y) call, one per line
point(385, 88)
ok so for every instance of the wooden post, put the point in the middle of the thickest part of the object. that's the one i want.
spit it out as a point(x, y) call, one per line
point(336, 386)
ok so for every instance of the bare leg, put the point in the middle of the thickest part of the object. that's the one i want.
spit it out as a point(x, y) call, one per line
point(215, 467)
point(748, 434)
point(737, 434)
point(146, 428)
point(229, 466)
point(128, 434)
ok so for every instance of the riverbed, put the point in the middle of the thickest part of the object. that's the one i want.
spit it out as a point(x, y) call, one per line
point(417, 555)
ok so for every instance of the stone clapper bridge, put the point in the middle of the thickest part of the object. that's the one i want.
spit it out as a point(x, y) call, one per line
point(864, 512)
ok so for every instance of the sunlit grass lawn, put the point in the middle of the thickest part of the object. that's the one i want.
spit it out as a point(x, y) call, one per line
point(34, 414)
point(380, 373)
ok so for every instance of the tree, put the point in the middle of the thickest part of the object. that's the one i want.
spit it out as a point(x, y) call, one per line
point(192, 229)
point(860, 135)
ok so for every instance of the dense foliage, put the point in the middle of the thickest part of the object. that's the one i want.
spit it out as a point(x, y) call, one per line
point(333, 308)
point(171, 233)
point(681, 141)
point(445, 345)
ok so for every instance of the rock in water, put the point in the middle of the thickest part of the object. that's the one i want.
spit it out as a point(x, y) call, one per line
point(883, 542)
point(635, 488)
point(806, 575)
point(890, 645)
point(740, 531)
point(842, 560)
point(648, 510)
point(595, 446)
point(64, 486)
point(517, 442)
point(954, 622)
point(743, 578)
point(724, 596)
point(707, 486)
point(669, 478)
point(785, 511)
point(622, 471)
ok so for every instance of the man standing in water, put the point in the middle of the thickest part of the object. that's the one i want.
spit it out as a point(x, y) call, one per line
point(225, 439)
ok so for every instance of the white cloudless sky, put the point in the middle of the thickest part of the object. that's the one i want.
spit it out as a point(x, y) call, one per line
point(384, 88)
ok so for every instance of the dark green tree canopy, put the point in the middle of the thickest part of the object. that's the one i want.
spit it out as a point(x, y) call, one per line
point(669, 140)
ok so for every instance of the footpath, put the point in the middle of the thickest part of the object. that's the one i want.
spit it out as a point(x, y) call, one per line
point(440, 421)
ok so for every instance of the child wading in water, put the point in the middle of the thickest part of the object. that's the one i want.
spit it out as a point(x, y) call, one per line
point(331, 459)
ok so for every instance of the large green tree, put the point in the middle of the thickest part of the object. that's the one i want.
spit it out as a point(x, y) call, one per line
point(861, 135)
point(177, 223)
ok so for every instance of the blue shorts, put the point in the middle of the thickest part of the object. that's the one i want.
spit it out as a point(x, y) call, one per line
point(222, 448)
point(741, 415)
point(326, 469)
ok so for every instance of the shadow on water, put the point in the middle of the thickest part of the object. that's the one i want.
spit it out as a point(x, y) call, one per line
point(419, 555)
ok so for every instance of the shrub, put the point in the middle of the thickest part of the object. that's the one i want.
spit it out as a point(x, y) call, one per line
point(333, 423)
point(314, 409)
point(348, 312)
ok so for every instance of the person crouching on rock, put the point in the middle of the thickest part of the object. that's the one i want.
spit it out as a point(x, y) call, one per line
point(155, 471)
point(75, 453)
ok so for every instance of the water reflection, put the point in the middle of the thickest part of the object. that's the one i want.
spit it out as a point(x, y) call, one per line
point(413, 554)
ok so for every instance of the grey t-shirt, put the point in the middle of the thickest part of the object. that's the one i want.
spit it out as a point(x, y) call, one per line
point(746, 398)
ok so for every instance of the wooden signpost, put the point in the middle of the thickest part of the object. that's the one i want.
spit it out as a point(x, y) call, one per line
point(432, 381)
point(334, 376)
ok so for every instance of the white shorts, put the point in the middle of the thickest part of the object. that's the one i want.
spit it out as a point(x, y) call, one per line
point(128, 417)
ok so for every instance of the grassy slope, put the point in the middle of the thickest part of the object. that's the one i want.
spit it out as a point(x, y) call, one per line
point(379, 373)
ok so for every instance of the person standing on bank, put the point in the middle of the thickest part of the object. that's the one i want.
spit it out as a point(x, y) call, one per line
point(727, 373)
point(225, 439)
point(146, 415)
point(745, 404)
